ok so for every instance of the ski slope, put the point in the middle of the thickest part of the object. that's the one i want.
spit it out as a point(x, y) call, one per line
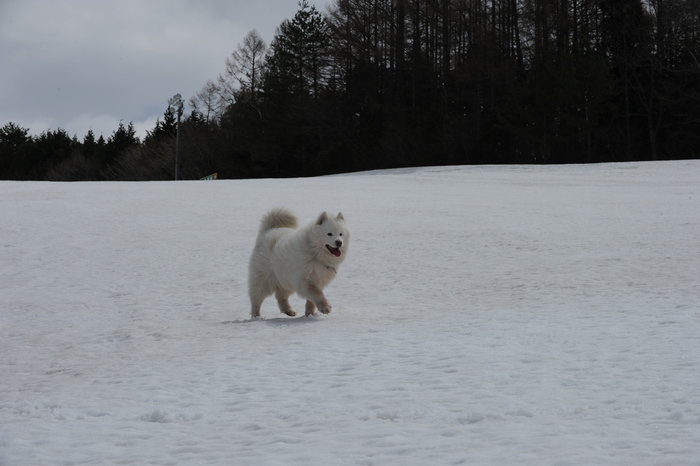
point(484, 315)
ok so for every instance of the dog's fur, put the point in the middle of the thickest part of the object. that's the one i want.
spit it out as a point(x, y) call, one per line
point(287, 259)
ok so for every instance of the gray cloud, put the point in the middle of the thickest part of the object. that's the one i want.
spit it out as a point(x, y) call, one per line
point(87, 64)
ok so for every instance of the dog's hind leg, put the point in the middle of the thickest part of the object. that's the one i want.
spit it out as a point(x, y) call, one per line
point(283, 302)
point(257, 292)
point(310, 308)
point(255, 304)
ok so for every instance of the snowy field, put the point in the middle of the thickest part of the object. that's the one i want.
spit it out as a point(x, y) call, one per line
point(484, 315)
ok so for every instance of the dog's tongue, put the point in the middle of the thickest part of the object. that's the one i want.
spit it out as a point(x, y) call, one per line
point(334, 251)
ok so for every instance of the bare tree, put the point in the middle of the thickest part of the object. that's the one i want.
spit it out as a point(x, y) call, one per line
point(207, 102)
point(243, 68)
point(242, 77)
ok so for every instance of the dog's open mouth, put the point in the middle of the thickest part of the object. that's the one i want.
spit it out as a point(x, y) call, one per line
point(334, 251)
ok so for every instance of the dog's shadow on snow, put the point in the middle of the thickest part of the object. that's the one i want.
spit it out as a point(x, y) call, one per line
point(278, 321)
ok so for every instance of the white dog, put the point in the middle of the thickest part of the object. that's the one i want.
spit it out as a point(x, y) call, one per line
point(287, 260)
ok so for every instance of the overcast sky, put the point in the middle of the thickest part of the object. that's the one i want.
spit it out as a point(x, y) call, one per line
point(87, 64)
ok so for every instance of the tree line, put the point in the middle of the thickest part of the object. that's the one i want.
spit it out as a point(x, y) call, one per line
point(394, 83)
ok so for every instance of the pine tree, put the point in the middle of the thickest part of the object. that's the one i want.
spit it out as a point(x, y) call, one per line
point(13, 145)
point(122, 138)
point(299, 59)
point(89, 142)
point(165, 129)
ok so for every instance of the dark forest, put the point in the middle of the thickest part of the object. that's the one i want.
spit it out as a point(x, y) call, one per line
point(373, 84)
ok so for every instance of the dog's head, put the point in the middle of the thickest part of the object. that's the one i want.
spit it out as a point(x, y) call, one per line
point(332, 236)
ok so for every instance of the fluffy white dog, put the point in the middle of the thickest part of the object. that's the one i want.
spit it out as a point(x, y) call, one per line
point(287, 259)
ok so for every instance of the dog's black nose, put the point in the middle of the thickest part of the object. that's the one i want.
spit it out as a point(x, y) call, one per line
point(338, 243)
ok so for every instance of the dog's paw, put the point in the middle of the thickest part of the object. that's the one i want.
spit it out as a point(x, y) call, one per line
point(325, 309)
point(290, 313)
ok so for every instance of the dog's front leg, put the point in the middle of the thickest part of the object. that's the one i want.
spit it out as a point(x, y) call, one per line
point(310, 308)
point(283, 303)
point(317, 298)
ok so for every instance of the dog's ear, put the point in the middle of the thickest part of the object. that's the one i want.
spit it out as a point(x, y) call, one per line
point(322, 218)
point(340, 216)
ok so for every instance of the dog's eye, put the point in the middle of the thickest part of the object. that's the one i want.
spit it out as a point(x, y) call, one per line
point(330, 234)
point(341, 234)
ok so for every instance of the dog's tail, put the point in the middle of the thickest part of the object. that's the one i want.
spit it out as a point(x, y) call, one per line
point(278, 218)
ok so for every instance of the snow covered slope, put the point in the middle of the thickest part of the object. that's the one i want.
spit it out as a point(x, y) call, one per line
point(485, 315)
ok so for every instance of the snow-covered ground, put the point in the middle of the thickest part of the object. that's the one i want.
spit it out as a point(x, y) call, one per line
point(484, 315)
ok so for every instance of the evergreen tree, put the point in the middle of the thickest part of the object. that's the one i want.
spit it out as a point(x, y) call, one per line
point(101, 144)
point(282, 128)
point(626, 41)
point(14, 143)
point(122, 139)
point(53, 146)
point(299, 58)
point(165, 129)
point(89, 142)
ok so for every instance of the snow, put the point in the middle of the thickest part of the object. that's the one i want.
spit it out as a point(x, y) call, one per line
point(484, 315)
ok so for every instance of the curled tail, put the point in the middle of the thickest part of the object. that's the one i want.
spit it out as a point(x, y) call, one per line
point(278, 218)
